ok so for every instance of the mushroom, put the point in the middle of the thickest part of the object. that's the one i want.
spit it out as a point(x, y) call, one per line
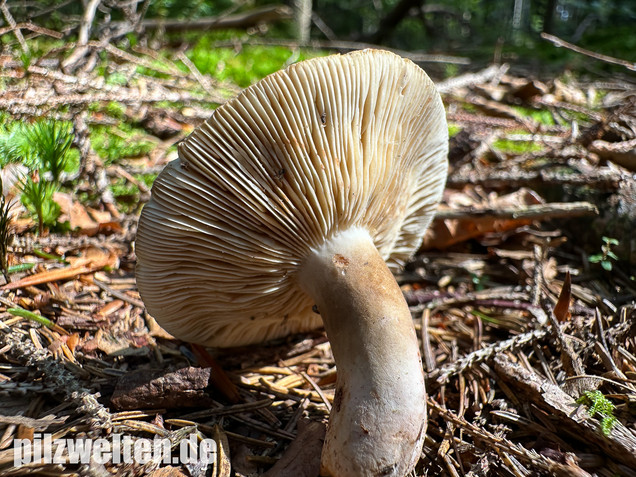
point(295, 194)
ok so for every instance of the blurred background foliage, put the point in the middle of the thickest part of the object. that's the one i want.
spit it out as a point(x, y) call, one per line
point(482, 30)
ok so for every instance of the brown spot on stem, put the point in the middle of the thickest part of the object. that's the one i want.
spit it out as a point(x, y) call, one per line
point(340, 261)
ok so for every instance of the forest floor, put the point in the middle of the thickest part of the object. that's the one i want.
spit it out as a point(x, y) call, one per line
point(523, 294)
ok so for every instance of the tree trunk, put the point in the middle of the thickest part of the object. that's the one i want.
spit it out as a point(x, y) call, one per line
point(303, 20)
point(392, 19)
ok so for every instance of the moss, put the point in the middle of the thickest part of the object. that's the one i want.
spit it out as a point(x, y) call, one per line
point(249, 65)
point(123, 141)
point(453, 129)
point(542, 116)
point(516, 147)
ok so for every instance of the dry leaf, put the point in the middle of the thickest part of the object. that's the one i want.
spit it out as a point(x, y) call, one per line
point(72, 342)
point(562, 308)
point(444, 233)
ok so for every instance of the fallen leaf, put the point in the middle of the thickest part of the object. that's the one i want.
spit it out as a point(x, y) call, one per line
point(72, 341)
point(444, 233)
point(562, 308)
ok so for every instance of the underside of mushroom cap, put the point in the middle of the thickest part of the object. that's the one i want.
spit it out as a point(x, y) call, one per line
point(358, 140)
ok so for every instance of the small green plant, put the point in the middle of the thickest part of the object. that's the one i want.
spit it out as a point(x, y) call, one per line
point(37, 197)
point(44, 148)
point(51, 142)
point(606, 256)
point(598, 404)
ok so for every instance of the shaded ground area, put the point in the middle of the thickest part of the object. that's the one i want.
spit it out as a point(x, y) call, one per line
point(522, 295)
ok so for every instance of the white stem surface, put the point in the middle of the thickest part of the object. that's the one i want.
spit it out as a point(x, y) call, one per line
point(378, 421)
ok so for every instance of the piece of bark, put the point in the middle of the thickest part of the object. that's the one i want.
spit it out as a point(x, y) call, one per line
point(572, 418)
point(621, 153)
point(186, 387)
point(302, 458)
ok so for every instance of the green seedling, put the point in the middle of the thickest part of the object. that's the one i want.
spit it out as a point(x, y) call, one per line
point(598, 404)
point(542, 116)
point(37, 197)
point(51, 142)
point(44, 147)
point(606, 256)
point(26, 58)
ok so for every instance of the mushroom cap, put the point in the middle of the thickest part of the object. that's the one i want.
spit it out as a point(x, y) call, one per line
point(355, 140)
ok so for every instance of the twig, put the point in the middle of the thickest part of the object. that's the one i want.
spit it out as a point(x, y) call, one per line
point(83, 36)
point(443, 374)
point(498, 444)
point(32, 27)
point(118, 294)
point(427, 349)
point(592, 54)
point(601, 178)
point(470, 79)
point(620, 443)
point(535, 211)
point(622, 153)
point(203, 81)
point(13, 26)
point(221, 410)
point(127, 98)
point(256, 16)
point(313, 384)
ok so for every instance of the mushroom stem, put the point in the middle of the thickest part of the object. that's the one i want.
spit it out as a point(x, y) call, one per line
point(378, 420)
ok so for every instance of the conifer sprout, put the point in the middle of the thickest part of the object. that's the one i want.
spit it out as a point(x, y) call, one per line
point(305, 191)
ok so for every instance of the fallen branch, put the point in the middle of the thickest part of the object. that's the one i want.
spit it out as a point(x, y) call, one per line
point(535, 212)
point(13, 26)
point(620, 443)
point(592, 54)
point(81, 49)
point(257, 16)
point(131, 97)
point(500, 445)
point(470, 79)
point(443, 374)
point(601, 179)
point(32, 27)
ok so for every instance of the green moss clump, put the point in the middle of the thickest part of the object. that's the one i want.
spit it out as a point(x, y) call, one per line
point(516, 147)
point(124, 141)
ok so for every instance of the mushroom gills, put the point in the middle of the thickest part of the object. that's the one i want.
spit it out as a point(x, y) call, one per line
point(378, 421)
